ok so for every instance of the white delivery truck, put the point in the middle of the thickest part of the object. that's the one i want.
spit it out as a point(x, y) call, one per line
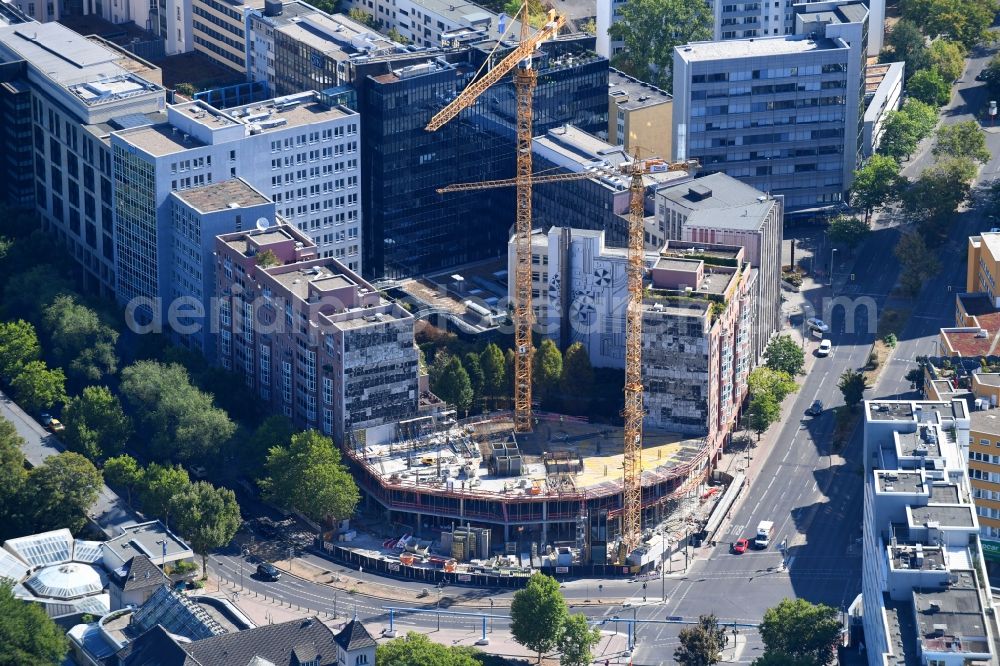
point(765, 530)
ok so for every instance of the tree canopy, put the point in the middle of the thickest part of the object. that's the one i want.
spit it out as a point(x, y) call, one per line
point(276, 430)
point(847, 230)
point(81, 343)
point(765, 380)
point(852, 385)
point(96, 425)
point(27, 634)
point(159, 484)
point(12, 472)
point(59, 492)
point(123, 472)
point(917, 261)
point(452, 384)
point(673, 22)
point(905, 42)
point(967, 21)
point(948, 58)
point(876, 184)
point(537, 614)
point(963, 140)
point(416, 649)
point(577, 641)
point(18, 346)
point(785, 355)
point(932, 199)
point(929, 87)
point(38, 388)
point(803, 631)
point(547, 369)
point(701, 644)
point(208, 517)
point(763, 411)
point(494, 377)
point(309, 476)
point(577, 381)
point(178, 421)
point(905, 128)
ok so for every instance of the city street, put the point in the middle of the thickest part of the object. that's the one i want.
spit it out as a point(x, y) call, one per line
point(812, 493)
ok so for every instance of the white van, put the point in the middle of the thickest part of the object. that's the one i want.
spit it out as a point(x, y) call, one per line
point(765, 530)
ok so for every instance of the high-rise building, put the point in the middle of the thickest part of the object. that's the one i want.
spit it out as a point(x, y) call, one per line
point(409, 227)
point(720, 209)
point(218, 29)
point(301, 151)
point(639, 116)
point(310, 336)
point(80, 90)
point(783, 114)
point(925, 597)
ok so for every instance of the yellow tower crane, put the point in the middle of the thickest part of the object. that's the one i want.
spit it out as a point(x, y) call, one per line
point(633, 411)
point(524, 85)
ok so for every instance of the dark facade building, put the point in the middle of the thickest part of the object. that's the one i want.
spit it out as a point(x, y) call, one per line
point(409, 227)
point(17, 164)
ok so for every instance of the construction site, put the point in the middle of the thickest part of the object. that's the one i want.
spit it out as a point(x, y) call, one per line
point(554, 490)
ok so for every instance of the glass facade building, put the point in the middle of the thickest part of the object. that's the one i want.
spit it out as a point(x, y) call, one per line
point(411, 229)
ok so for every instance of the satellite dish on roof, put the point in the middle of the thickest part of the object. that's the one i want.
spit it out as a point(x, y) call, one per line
point(263, 223)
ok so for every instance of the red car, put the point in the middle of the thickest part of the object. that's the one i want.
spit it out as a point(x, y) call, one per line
point(741, 546)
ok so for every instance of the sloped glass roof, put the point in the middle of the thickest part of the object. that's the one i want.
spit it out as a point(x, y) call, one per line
point(86, 551)
point(12, 568)
point(66, 581)
point(43, 549)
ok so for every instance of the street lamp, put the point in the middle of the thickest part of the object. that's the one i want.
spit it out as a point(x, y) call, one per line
point(832, 251)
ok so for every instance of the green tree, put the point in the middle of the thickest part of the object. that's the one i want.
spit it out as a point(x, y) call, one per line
point(917, 261)
point(80, 341)
point(577, 380)
point(765, 380)
point(762, 412)
point(537, 614)
point(577, 641)
point(931, 200)
point(123, 472)
point(328, 6)
point(453, 385)
point(59, 492)
point(808, 633)
point(905, 128)
point(477, 378)
point(309, 476)
point(929, 87)
point(536, 11)
point(876, 184)
point(96, 425)
point(968, 21)
point(847, 230)
point(417, 650)
point(37, 388)
point(852, 385)
point(674, 22)
point(267, 258)
point(509, 364)
point(547, 369)
point(18, 345)
point(397, 36)
point(785, 355)
point(159, 484)
point(362, 17)
point(12, 472)
point(28, 293)
point(905, 42)
point(991, 75)
point(494, 372)
point(701, 644)
point(27, 634)
point(178, 421)
point(963, 140)
point(948, 58)
point(275, 430)
point(208, 517)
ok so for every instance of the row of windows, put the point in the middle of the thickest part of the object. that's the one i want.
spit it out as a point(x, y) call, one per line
point(313, 137)
point(219, 51)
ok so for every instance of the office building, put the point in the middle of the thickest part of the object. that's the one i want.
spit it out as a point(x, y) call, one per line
point(697, 320)
point(437, 23)
point(70, 92)
point(311, 337)
point(409, 227)
point(300, 151)
point(197, 216)
point(719, 209)
point(295, 47)
point(925, 597)
point(639, 116)
point(600, 203)
point(739, 19)
point(218, 29)
point(783, 114)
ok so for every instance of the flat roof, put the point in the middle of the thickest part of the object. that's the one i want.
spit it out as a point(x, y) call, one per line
point(986, 421)
point(92, 72)
point(678, 264)
point(228, 194)
point(630, 93)
point(147, 539)
point(160, 140)
point(721, 201)
point(335, 33)
point(892, 481)
point(945, 494)
point(922, 442)
point(959, 608)
point(755, 47)
point(468, 14)
point(946, 516)
point(297, 281)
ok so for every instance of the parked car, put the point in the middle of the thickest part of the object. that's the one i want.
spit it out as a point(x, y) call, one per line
point(825, 347)
point(981, 76)
point(267, 571)
point(740, 546)
point(53, 424)
point(815, 409)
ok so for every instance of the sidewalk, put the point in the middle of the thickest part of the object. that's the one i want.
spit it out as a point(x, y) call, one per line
point(263, 611)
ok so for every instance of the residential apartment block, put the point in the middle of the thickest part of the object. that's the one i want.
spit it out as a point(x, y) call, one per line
point(219, 30)
point(309, 336)
point(783, 114)
point(883, 94)
point(63, 95)
point(438, 22)
point(718, 209)
point(300, 151)
point(697, 320)
point(925, 598)
point(639, 116)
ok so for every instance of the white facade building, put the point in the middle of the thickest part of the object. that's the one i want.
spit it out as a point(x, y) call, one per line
point(923, 599)
point(435, 22)
point(298, 150)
